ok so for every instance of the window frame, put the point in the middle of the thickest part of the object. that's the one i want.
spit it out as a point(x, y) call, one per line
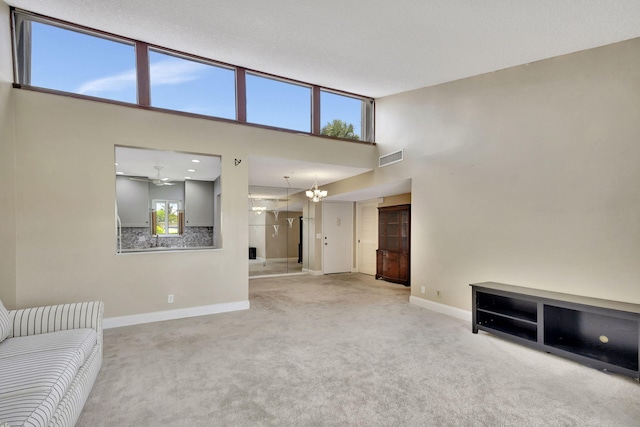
point(154, 203)
point(144, 88)
point(366, 113)
point(18, 16)
point(287, 81)
point(169, 52)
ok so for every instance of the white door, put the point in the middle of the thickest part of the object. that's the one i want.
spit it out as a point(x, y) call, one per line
point(337, 239)
point(367, 237)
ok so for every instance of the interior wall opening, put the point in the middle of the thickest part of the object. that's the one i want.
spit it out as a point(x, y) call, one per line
point(166, 200)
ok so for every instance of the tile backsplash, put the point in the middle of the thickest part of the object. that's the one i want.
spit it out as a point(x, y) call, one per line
point(141, 238)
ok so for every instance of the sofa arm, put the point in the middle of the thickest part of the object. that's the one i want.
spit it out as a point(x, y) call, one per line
point(51, 318)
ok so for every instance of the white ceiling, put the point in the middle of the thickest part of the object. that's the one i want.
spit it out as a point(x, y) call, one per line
point(368, 47)
point(270, 172)
point(175, 165)
point(267, 176)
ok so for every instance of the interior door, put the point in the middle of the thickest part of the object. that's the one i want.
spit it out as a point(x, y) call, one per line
point(367, 229)
point(337, 230)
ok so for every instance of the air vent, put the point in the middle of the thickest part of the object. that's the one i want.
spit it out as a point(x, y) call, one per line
point(389, 159)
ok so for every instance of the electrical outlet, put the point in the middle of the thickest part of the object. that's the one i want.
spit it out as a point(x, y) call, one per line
point(422, 289)
point(170, 299)
point(438, 294)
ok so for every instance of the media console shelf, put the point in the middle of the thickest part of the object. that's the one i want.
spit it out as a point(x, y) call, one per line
point(599, 333)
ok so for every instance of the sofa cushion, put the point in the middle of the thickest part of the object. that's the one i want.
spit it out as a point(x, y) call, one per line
point(81, 340)
point(5, 323)
point(37, 370)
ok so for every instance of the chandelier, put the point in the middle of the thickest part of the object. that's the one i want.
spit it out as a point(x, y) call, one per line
point(257, 209)
point(315, 194)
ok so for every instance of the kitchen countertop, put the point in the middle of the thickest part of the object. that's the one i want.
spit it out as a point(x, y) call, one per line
point(164, 249)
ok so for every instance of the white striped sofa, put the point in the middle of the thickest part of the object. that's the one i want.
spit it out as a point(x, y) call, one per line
point(48, 363)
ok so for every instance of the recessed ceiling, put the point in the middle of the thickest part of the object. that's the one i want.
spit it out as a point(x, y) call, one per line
point(369, 48)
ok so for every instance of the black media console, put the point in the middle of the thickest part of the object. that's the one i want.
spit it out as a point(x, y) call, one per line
point(599, 333)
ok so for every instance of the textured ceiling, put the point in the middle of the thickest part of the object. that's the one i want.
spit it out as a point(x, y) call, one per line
point(369, 47)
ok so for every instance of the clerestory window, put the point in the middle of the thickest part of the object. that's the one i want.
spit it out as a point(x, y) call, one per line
point(278, 103)
point(343, 116)
point(191, 86)
point(68, 60)
point(62, 57)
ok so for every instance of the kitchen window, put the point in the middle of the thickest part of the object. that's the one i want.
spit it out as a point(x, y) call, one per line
point(166, 218)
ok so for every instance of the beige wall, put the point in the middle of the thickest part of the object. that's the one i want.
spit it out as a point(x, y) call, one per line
point(65, 193)
point(7, 169)
point(400, 199)
point(527, 176)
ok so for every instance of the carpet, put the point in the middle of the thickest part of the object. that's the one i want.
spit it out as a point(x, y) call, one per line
point(342, 350)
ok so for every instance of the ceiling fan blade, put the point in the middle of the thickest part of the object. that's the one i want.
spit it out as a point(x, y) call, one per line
point(158, 180)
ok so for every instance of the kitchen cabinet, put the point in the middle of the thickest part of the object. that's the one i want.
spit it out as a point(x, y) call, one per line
point(198, 203)
point(133, 202)
point(393, 254)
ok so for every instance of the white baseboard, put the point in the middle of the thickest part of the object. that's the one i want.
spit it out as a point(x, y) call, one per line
point(180, 313)
point(290, 259)
point(263, 276)
point(458, 313)
point(315, 272)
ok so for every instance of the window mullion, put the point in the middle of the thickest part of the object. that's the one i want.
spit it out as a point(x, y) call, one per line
point(241, 95)
point(143, 75)
point(315, 110)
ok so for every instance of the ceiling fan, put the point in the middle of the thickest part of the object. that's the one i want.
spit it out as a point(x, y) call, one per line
point(156, 180)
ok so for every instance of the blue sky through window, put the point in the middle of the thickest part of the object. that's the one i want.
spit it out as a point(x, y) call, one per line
point(345, 108)
point(74, 62)
point(276, 103)
point(71, 61)
point(194, 87)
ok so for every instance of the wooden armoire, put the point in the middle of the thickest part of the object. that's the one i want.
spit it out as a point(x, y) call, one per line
point(394, 242)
